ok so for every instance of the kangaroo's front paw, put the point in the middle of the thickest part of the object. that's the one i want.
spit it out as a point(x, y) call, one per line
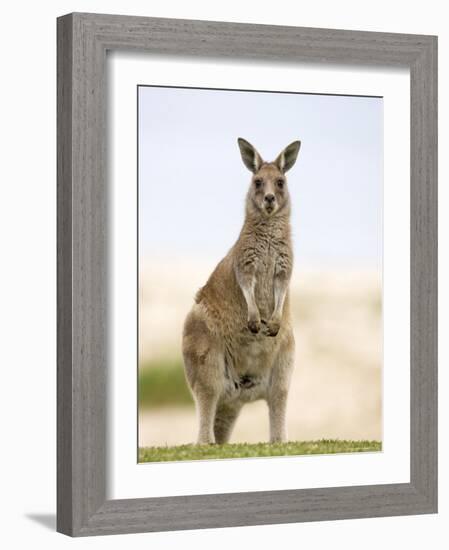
point(272, 327)
point(254, 324)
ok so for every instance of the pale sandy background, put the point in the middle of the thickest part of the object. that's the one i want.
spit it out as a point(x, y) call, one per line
point(337, 384)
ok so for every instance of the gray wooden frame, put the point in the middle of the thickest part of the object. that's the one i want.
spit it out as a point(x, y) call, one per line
point(83, 40)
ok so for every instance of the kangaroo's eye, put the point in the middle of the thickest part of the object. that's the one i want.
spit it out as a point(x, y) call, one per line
point(280, 183)
point(258, 183)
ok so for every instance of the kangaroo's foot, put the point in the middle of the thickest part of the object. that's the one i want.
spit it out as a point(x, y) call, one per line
point(205, 440)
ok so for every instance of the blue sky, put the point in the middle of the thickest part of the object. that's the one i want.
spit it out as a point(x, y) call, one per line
point(192, 182)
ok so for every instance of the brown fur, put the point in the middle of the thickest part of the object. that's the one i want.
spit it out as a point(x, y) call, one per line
point(238, 342)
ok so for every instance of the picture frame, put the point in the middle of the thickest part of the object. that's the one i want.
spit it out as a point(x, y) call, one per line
point(83, 228)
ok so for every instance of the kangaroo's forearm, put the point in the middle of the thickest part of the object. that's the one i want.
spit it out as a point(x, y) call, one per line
point(247, 282)
point(246, 278)
point(280, 287)
point(281, 282)
point(280, 292)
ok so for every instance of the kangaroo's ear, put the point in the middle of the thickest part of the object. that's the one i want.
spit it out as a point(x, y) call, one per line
point(251, 158)
point(287, 157)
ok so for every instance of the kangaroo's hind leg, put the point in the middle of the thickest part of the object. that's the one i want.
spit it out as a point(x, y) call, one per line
point(278, 388)
point(204, 367)
point(206, 391)
point(225, 418)
point(206, 402)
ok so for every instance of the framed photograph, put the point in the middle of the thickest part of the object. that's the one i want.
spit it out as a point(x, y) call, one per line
point(247, 274)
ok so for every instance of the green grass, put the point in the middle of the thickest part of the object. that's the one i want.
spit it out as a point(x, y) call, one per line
point(246, 450)
point(162, 383)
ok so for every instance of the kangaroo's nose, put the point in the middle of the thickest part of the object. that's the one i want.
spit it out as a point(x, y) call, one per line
point(269, 198)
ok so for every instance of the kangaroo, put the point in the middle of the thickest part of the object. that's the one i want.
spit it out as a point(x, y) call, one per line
point(238, 343)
